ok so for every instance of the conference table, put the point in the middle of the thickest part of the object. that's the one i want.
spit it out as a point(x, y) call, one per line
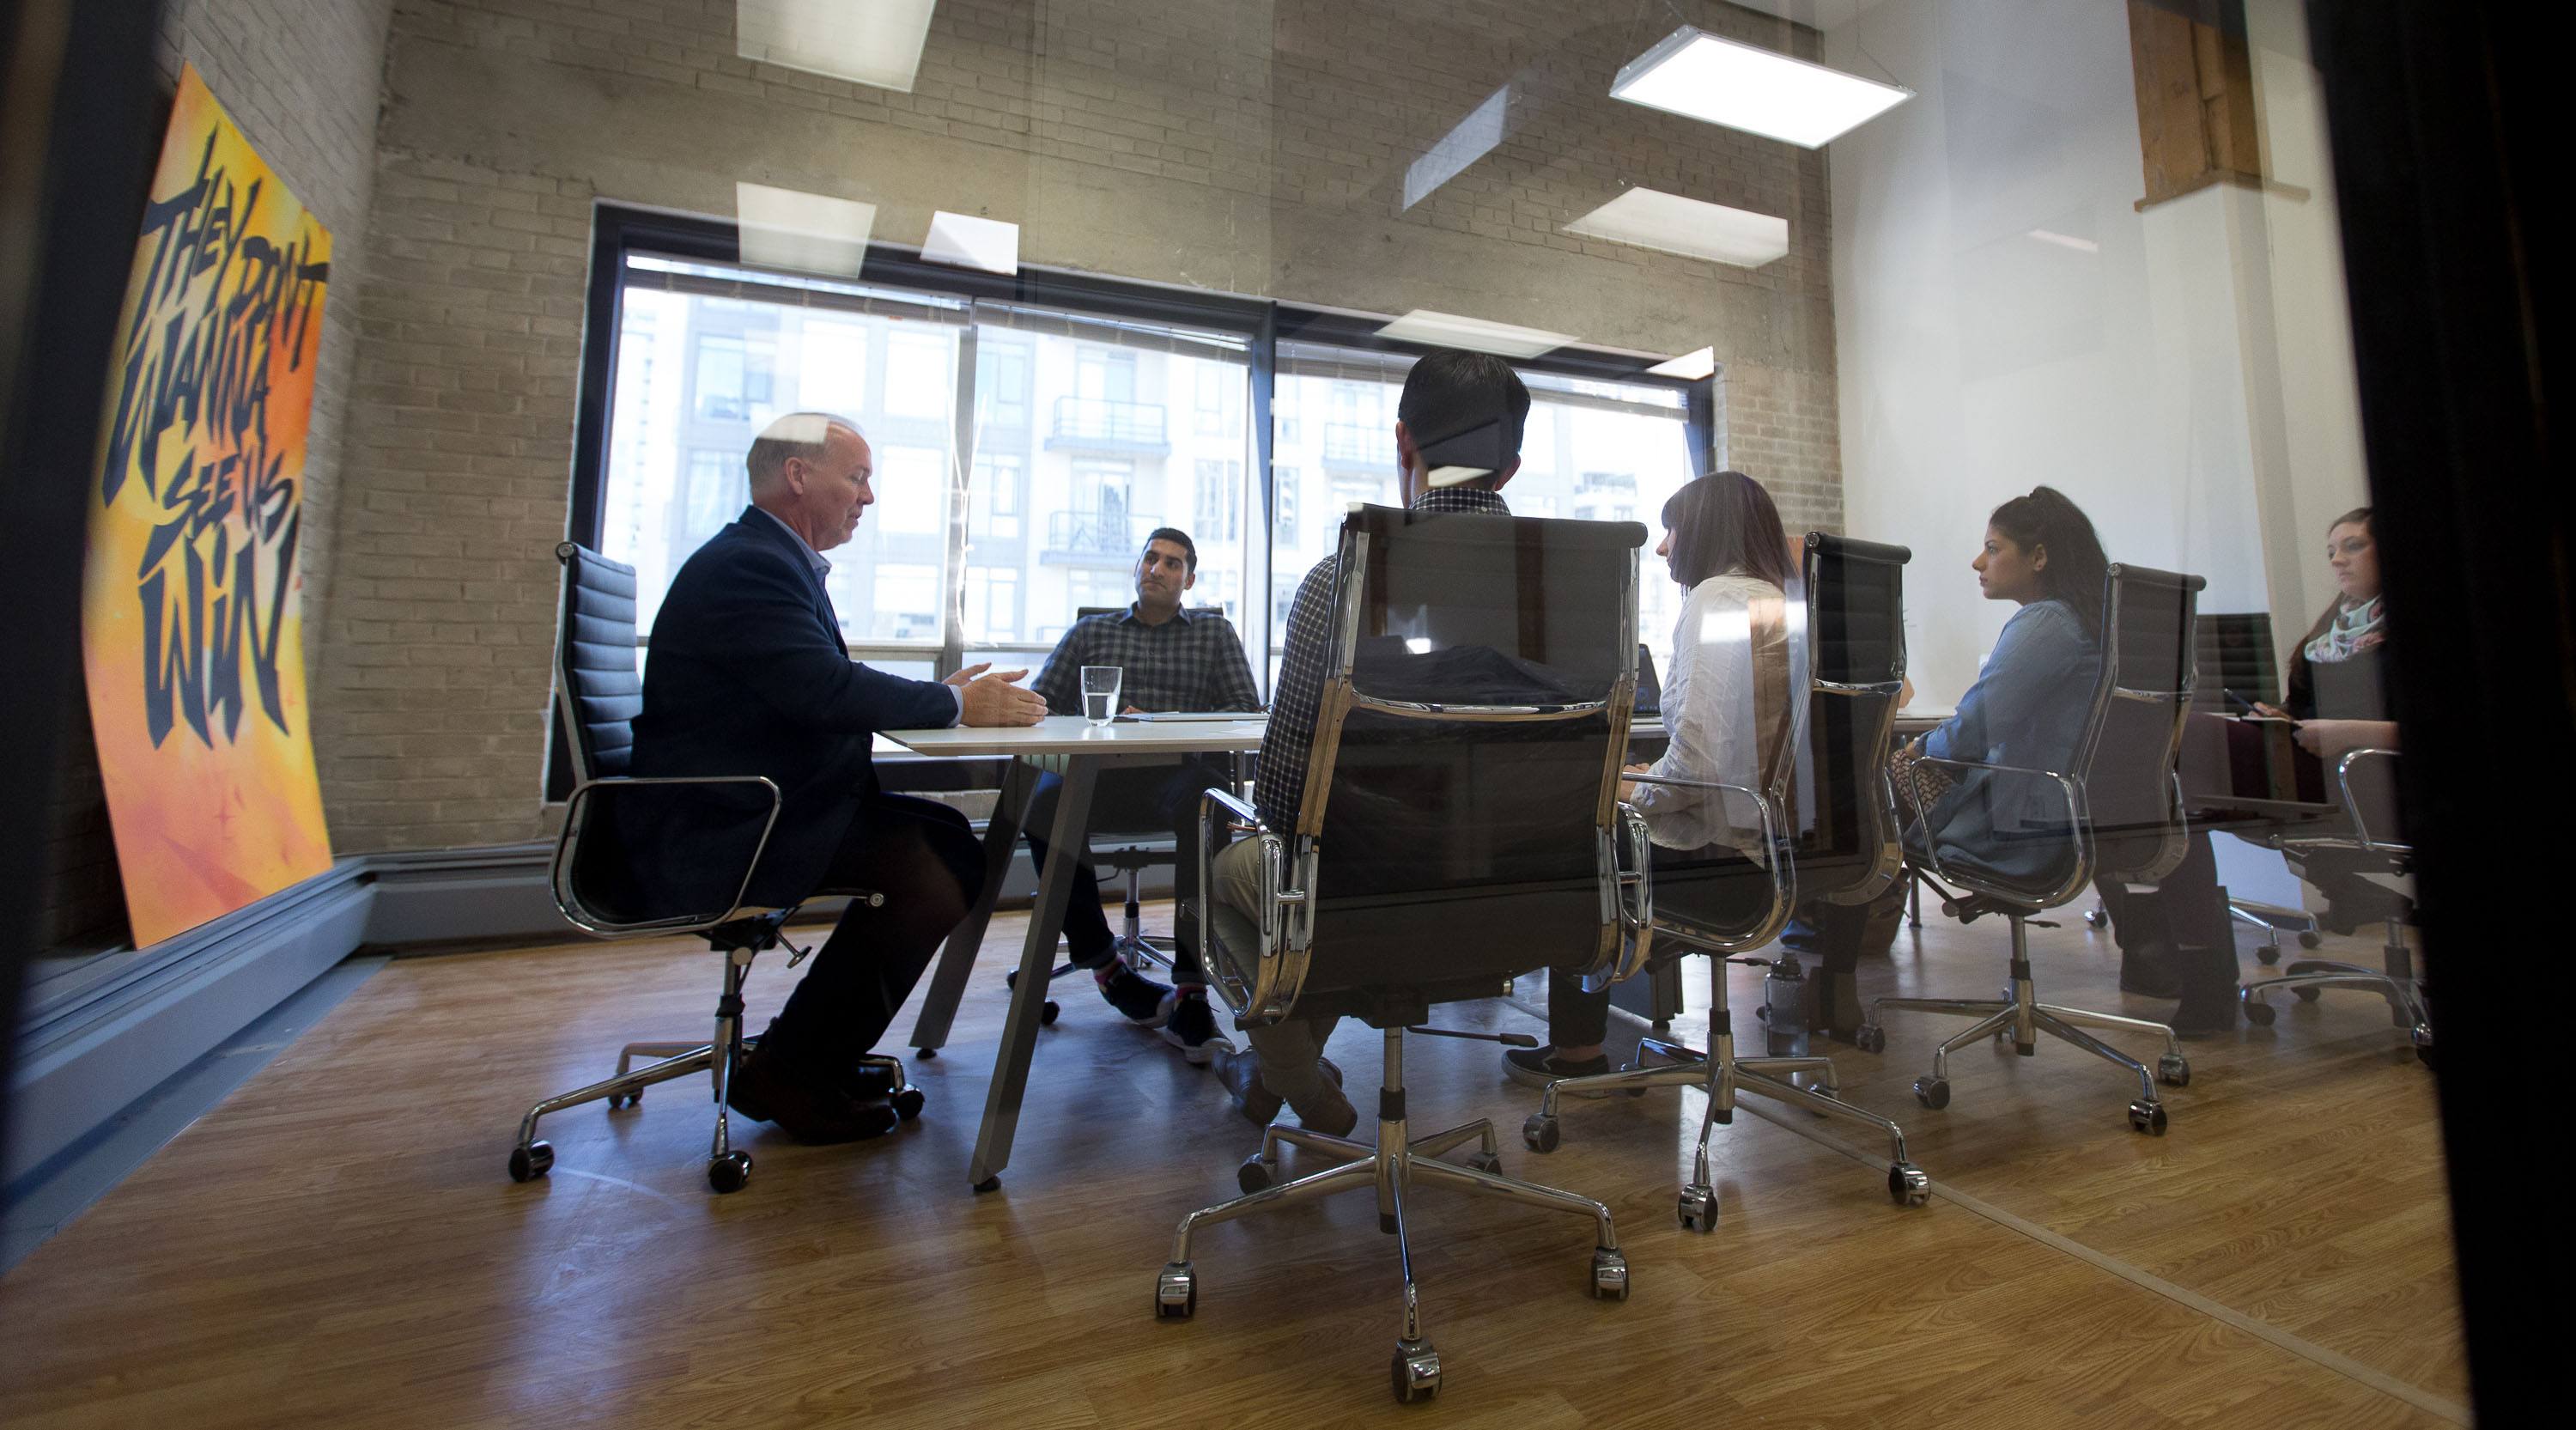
point(1076, 749)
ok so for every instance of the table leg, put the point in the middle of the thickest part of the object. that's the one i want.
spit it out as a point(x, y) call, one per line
point(957, 958)
point(1029, 990)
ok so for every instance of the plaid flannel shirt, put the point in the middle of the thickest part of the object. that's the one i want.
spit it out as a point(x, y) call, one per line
point(1300, 696)
point(1194, 661)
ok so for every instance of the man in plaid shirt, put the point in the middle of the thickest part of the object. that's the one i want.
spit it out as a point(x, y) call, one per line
point(1173, 659)
point(1457, 441)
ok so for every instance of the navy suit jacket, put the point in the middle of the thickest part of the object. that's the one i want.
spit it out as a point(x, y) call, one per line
point(746, 674)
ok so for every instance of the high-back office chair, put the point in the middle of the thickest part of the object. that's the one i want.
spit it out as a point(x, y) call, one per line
point(1128, 852)
point(597, 696)
point(1459, 825)
point(2370, 801)
point(1726, 905)
point(2123, 815)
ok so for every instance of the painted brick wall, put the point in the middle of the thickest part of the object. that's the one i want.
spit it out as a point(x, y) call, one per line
point(302, 78)
point(1254, 147)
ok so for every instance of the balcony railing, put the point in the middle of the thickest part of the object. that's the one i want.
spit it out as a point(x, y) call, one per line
point(1103, 424)
point(1094, 535)
point(1358, 444)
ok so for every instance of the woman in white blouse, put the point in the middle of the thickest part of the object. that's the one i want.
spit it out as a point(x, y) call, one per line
point(1726, 709)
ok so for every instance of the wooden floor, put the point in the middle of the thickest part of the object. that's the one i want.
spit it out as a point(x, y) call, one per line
point(337, 1244)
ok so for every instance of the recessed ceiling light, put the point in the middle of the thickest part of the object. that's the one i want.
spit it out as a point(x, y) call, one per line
point(970, 242)
point(873, 42)
point(810, 233)
point(1759, 91)
point(1651, 218)
point(1449, 330)
point(1693, 365)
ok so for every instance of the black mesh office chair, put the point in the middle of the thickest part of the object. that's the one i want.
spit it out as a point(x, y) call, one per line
point(2124, 815)
point(2366, 781)
point(597, 696)
point(1833, 762)
point(1459, 826)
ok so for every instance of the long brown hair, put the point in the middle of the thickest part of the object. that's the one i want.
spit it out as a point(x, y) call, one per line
point(2077, 567)
point(1722, 522)
point(2358, 516)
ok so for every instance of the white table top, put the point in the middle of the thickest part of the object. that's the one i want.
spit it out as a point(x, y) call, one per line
point(1073, 735)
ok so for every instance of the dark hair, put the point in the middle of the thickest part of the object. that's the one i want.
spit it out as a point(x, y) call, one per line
point(2046, 520)
point(1722, 522)
point(2359, 516)
point(1179, 538)
point(1464, 409)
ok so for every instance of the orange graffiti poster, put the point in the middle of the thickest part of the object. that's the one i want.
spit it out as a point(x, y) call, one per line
point(191, 620)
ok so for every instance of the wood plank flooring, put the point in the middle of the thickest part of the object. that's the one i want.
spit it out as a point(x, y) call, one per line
point(337, 1244)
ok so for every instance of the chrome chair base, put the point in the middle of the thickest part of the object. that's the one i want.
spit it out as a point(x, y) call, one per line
point(1724, 1077)
point(2396, 982)
point(2023, 1017)
point(728, 1169)
point(1394, 1167)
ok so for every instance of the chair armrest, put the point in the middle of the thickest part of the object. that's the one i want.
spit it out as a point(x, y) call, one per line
point(572, 908)
point(2352, 806)
point(1779, 867)
point(1285, 915)
point(2066, 789)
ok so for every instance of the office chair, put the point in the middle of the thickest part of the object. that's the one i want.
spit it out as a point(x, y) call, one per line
point(1459, 824)
point(1129, 852)
point(2372, 810)
point(597, 696)
point(2124, 816)
point(1727, 905)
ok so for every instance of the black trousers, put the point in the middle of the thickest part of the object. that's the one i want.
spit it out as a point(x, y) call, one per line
point(926, 860)
point(2185, 910)
point(1132, 801)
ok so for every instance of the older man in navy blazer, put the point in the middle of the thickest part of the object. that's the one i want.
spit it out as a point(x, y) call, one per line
point(747, 673)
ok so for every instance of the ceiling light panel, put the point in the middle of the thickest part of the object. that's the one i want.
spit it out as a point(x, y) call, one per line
point(970, 242)
point(874, 42)
point(805, 233)
point(1651, 218)
point(1449, 330)
point(1694, 73)
point(1690, 365)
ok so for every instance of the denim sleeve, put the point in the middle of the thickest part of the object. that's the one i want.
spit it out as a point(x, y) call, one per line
point(2037, 645)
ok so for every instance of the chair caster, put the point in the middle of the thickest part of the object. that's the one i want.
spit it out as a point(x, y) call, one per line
point(617, 1100)
point(1255, 1175)
point(1540, 1132)
point(1048, 1012)
point(1907, 1186)
point(1176, 1292)
point(1609, 1274)
point(1489, 1163)
point(1415, 1371)
point(2147, 1117)
point(989, 1184)
point(1870, 1038)
point(730, 1172)
point(2268, 955)
point(1697, 1210)
point(1932, 1092)
point(2311, 939)
point(2423, 1048)
point(2096, 918)
point(2173, 1070)
point(531, 1162)
point(2260, 1014)
point(908, 1103)
point(2308, 992)
point(927, 1055)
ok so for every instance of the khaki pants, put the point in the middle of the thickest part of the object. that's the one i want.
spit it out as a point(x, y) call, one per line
point(1291, 1052)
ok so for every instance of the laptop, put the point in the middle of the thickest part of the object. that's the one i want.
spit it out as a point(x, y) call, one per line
point(1650, 687)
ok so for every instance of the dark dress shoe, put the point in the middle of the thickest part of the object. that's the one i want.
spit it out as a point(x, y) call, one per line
point(814, 1113)
point(2151, 971)
point(1241, 1075)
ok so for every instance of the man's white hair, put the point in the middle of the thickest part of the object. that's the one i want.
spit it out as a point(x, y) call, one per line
point(797, 434)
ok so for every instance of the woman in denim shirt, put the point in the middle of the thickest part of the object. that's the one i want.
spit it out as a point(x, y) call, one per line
point(2026, 710)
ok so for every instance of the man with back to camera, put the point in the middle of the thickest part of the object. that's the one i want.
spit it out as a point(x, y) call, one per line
point(1173, 659)
point(1457, 441)
point(747, 673)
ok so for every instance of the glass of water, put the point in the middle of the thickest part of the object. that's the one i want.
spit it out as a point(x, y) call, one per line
point(1100, 692)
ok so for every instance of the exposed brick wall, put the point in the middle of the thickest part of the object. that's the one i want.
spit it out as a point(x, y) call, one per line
point(302, 78)
point(1246, 147)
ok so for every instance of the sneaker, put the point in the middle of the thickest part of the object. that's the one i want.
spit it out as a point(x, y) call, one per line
point(1138, 999)
point(1192, 1028)
point(1537, 1067)
point(1241, 1074)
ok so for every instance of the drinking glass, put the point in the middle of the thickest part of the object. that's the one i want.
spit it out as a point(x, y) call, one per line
point(1100, 692)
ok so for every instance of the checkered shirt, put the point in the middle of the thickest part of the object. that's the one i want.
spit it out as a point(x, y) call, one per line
point(1194, 661)
point(1291, 736)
